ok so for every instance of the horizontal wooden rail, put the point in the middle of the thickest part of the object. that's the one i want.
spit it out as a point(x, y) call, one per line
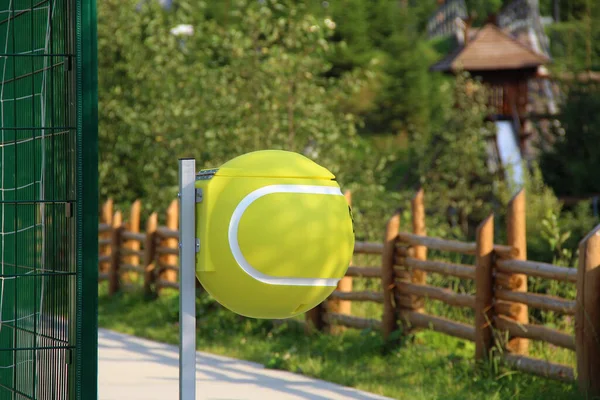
point(509, 281)
point(539, 269)
point(535, 332)
point(102, 259)
point(403, 250)
point(103, 276)
point(503, 251)
point(124, 251)
point(508, 308)
point(441, 267)
point(439, 324)
point(351, 322)
point(167, 233)
point(162, 266)
point(161, 283)
point(368, 248)
point(358, 296)
point(437, 244)
point(446, 295)
point(102, 228)
point(131, 268)
point(452, 245)
point(538, 367)
point(104, 242)
point(140, 237)
point(540, 301)
point(167, 250)
point(364, 272)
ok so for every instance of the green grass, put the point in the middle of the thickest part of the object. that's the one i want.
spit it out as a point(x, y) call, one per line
point(428, 366)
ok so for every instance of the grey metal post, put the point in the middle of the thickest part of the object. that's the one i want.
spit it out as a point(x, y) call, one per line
point(187, 280)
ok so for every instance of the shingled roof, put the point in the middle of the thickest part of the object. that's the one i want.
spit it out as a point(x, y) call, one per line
point(491, 49)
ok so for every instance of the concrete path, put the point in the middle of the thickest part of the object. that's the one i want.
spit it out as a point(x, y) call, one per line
point(139, 369)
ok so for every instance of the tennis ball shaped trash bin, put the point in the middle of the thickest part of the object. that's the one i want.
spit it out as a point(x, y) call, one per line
point(275, 234)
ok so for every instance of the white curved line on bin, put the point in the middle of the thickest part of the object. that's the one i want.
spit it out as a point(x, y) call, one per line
point(234, 224)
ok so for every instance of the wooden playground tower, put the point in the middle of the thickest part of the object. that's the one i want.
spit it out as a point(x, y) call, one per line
point(505, 65)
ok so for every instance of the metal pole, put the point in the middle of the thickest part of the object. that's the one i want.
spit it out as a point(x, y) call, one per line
point(187, 279)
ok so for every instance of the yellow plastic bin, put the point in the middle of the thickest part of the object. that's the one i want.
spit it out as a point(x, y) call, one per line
point(275, 234)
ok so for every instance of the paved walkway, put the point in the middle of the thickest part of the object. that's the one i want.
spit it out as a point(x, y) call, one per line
point(138, 369)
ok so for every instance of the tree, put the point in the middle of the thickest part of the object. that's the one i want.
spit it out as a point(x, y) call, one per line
point(217, 93)
point(480, 9)
point(571, 167)
point(453, 160)
point(352, 28)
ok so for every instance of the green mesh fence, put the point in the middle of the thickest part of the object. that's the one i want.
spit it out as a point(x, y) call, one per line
point(41, 266)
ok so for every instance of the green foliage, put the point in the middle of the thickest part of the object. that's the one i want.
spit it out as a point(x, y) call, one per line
point(553, 233)
point(409, 94)
point(569, 46)
point(556, 238)
point(453, 160)
point(480, 9)
point(570, 168)
point(403, 102)
point(149, 109)
point(384, 21)
point(298, 76)
point(352, 29)
point(568, 9)
point(219, 93)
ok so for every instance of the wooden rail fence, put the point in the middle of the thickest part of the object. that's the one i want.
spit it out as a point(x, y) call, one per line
point(499, 274)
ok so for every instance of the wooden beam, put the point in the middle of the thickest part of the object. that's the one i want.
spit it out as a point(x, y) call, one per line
point(507, 308)
point(338, 304)
point(587, 317)
point(150, 253)
point(541, 301)
point(390, 311)
point(538, 269)
point(535, 332)
point(540, 367)
point(439, 324)
point(114, 273)
point(133, 236)
point(376, 297)
point(364, 272)
point(420, 252)
point(441, 267)
point(484, 287)
point(510, 281)
point(368, 248)
point(437, 244)
point(446, 295)
point(165, 233)
point(172, 242)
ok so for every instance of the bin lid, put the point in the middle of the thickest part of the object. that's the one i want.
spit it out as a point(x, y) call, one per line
point(274, 163)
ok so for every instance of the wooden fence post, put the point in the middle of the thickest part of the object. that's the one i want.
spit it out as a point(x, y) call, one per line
point(171, 259)
point(517, 239)
point(150, 253)
point(133, 225)
point(113, 279)
point(484, 288)
point(344, 285)
point(420, 252)
point(107, 217)
point(314, 318)
point(587, 316)
point(390, 314)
